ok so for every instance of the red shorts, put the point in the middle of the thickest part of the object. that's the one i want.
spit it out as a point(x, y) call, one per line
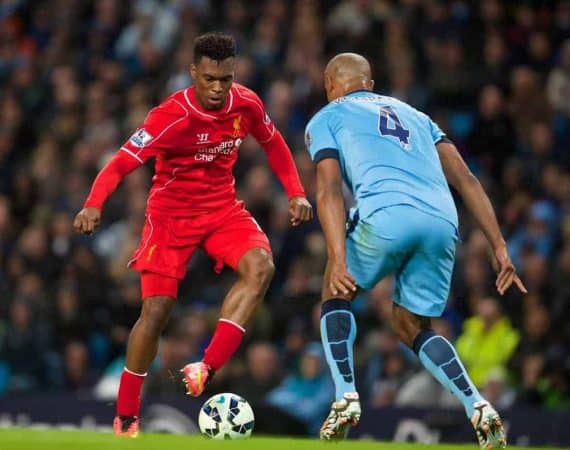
point(167, 244)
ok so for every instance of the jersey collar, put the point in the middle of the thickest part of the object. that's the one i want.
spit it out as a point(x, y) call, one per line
point(360, 91)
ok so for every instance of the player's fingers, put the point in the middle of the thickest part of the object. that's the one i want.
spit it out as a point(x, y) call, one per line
point(82, 224)
point(520, 285)
point(502, 274)
point(506, 282)
point(333, 288)
point(350, 283)
point(77, 224)
point(297, 211)
point(90, 226)
point(340, 286)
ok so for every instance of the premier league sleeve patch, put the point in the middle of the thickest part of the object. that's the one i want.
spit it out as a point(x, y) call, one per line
point(308, 140)
point(140, 138)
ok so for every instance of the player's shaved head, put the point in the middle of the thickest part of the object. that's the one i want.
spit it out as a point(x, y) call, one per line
point(345, 73)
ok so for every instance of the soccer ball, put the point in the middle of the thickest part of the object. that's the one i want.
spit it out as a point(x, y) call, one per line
point(226, 416)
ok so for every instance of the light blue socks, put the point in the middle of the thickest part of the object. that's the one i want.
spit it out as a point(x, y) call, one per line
point(439, 357)
point(338, 332)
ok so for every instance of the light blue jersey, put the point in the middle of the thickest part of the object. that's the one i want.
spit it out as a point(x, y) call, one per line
point(387, 154)
point(405, 220)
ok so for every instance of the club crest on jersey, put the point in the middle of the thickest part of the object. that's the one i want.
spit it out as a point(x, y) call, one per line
point(237, 126)
point(140, 138)
point(202, 137)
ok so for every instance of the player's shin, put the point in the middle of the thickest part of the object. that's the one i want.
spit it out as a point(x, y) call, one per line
point(440, 358)
point(225, 341)
point(129, 396)
point(338, 332)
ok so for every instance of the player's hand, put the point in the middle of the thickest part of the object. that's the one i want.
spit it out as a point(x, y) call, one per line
point(300, 210)
point(506, 272)
point(340, 281)
point(87, 220)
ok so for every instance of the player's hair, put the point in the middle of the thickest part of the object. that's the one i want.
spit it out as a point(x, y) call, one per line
point(216, 46)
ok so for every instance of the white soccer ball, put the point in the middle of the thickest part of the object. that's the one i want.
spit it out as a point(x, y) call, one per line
point(226, 416)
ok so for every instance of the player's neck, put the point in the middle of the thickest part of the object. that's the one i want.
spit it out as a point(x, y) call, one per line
point(194, 101)
point(355, 89)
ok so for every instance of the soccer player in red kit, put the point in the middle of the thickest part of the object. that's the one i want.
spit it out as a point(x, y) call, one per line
point(194, 135)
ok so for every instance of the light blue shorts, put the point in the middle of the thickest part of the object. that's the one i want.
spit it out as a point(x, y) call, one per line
point(418, 248)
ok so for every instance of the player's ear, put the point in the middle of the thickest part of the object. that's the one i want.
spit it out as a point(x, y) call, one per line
point(371, 85)
point(193, 71)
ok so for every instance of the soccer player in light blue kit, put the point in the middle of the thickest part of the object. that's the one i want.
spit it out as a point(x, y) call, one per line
point(398, 163)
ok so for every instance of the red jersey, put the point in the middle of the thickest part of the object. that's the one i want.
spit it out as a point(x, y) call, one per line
point(196, 149)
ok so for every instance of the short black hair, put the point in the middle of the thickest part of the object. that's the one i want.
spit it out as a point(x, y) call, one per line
point(216, 46)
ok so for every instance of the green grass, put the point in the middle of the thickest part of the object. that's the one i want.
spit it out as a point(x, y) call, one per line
point(26, 439)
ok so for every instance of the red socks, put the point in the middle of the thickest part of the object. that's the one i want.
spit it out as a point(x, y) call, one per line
point(226, 340)
point(129, 397)
point(224, 343)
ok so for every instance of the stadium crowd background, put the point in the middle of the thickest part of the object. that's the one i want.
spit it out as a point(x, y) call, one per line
point(77, 77)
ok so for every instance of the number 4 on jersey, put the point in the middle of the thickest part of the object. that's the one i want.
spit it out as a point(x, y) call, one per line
point(387, 114)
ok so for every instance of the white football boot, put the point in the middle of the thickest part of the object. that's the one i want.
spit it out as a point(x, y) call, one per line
point(488, 426)
point(344, 414)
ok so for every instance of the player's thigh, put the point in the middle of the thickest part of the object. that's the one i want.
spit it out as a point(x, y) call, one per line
point(371, 254)
point(233, 238)
point(422, 283)
point(166, 246)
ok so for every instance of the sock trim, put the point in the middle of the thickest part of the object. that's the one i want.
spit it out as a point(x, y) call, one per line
point(335, 304)
point(134, 373)
point(239, 327)
point(423, 338)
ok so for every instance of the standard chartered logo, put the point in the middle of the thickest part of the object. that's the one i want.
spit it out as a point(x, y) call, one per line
point(208, 154)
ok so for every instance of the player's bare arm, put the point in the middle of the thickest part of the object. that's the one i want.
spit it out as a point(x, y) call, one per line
point(332, 215)
point(478, 203)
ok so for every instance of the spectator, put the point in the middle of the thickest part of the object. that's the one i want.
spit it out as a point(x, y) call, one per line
point(262, 374)
point(22, 349)
point(71, 94)
point(477, 345)
point(307, 394)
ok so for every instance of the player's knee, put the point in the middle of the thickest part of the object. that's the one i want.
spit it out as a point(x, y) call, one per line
point(156, 311)
point(259, 269)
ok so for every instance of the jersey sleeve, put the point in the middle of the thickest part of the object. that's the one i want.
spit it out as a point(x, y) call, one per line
point(437, 134)
point(262, 128)
point(320, 140)
point(158, 132)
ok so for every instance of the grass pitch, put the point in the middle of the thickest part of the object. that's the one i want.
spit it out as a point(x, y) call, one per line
point(27, 439)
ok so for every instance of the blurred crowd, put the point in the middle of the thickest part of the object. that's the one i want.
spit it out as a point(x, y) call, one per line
point(77, 77)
